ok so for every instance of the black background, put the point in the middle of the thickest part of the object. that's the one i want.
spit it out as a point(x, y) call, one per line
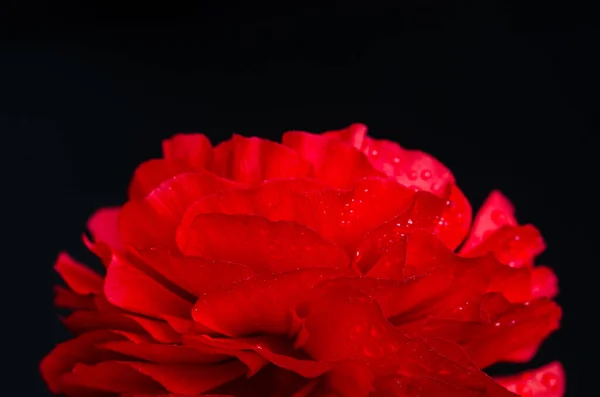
point(503, 93)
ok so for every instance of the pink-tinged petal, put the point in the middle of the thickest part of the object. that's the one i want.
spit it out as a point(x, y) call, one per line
point(131, 289)
point(276, 350)
point(152, 222)
point(194, 150)
point(411, 168)
point(334, 162)
point(262, 303)
point(263, 245)
point(547, 381)
point(78, 277)
point(150, 174)
point(544, 283)
point(496, 212)
point(104, 227)
point(81, 349)
point(254, 160)
point(514, 246)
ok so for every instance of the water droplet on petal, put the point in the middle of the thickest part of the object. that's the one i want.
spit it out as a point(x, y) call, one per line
point(425, 174)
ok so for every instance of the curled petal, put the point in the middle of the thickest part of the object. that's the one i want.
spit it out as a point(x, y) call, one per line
point(131, 289)
point(334, 162)
point(514, 246)
point(259, 243)
point(193, 150)
point(544, 283)
point(271, 348)
point(254, 160)
point(263, 303)
point(411, 168)
point(150, 174)
point(81, 349)
point(104, 227)
point(152, 222)
point(78, 277)
point(496, 212)
point(547, 381)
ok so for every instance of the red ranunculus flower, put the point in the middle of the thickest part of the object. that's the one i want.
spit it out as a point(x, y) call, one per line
point(328, 265)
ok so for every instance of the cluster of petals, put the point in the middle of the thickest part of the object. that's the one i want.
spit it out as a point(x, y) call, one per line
point(327, 265)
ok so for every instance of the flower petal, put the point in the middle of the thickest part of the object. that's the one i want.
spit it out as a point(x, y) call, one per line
point(514, 246)
point(344, 324)
point(496, 212)
point(150, 174)
point(340, 216)
point(263, 245)
point(254, 160)
point(152, 222)
point(262, 303)
point(412, 168)
point(104, 227)
point(334, 162)
point(271, 348)
point(78, 277)
point(547, 381)
point(544, 283)
point(194, 150)
point(131, 289)
point(66, 355)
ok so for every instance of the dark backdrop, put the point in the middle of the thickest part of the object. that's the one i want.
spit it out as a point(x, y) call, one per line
point(87, 93)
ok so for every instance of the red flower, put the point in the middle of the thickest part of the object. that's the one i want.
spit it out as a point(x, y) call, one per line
point(328, 265)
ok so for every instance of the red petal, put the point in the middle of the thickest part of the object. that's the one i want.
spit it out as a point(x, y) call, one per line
point(514, 246)
point(191, 379)
point(544, 283)
point(344, 324)
point(112, 376)
point(424, 214)
point(164, 354)
point(259, 243)
point(455, 221)
point(81, 349)
point(89, 320)
point(496, 212)
point(68, 299)
point(334, 162)
point(104, 227)
point(271, 348)
point(411, 168)
point(78, 277)
point(131, 289)
point(194, 150)
point(150, 174)
point(193, 274)
point(337, 215)
point(254, 160)
point(152, 221)
point(548, 381)
point(259, 304)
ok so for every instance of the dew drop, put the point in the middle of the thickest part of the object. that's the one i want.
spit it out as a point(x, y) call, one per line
point(425, 174)
point(412, 175)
